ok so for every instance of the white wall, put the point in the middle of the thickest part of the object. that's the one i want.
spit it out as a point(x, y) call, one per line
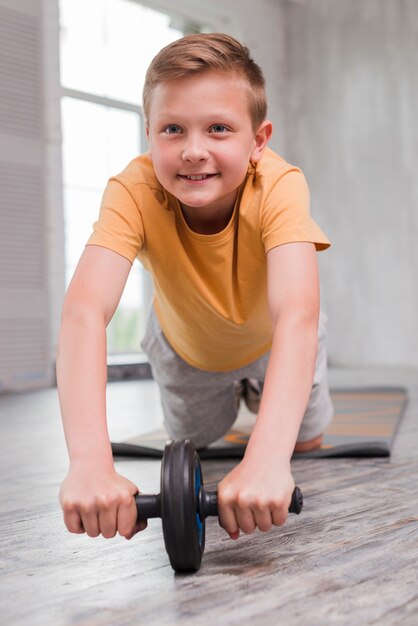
point(352, 125)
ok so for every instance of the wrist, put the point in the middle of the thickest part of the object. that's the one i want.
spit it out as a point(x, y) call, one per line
point(271, 451)
point(273, 437)
point(92, 457)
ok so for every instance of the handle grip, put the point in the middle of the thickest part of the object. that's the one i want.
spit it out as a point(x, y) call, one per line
point(147, 506)
point(207, 503)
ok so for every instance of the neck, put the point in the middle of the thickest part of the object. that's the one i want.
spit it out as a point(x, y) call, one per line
point(206, 224)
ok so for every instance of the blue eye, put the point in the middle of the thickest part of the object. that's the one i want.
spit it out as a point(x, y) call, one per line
point(172, 129)
point(219, 128)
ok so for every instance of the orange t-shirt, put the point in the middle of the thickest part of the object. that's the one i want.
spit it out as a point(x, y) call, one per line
point(210, 290)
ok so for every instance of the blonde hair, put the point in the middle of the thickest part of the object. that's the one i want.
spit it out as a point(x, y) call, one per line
point(200, 53)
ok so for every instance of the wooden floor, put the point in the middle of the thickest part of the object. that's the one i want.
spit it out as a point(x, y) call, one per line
point(351, 557)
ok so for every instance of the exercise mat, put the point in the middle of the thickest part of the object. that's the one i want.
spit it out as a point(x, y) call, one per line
point(364, 425)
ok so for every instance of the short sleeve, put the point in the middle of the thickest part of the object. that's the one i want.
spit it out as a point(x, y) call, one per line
point(119, 227)
point(285, 215)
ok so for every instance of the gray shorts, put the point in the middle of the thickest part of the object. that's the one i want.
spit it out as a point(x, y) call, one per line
point(202, 405)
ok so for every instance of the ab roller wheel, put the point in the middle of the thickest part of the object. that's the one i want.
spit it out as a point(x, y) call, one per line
point(183, 527)
point(183, 505)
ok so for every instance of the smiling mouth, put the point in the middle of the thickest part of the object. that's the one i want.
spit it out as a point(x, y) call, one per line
point(196, 177)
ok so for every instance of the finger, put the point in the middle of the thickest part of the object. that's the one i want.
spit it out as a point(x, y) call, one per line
point(234, 535)
point(228, 520)
point(279, 516)
point(90, 521)
point(245, 519)
point(263, 518)
point(127, 523)
point(140, 525)
point(108, 522)
point(73, 522)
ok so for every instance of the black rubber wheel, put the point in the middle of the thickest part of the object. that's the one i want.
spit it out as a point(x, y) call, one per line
point(183, 529)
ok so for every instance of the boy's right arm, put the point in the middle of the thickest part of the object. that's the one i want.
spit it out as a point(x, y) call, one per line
point(94, 497)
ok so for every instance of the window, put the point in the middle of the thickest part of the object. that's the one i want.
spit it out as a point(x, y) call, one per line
point(106, 47)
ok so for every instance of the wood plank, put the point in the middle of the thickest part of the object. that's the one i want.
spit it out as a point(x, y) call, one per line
point(350, 557)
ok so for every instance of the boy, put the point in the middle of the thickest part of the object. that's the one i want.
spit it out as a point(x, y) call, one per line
point(223, 225)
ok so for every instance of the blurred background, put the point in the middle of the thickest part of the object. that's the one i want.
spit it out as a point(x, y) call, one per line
point(343, 97)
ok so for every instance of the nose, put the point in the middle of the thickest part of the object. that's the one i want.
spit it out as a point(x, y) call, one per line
point(194, 149)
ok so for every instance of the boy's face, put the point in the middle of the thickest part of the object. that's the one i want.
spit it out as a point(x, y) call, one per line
point(201, 140)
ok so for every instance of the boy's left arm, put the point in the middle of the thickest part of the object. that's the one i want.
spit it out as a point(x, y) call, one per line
point(257, 492)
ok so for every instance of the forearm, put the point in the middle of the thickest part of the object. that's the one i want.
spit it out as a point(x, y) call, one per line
point(287, 387)
point(81, 377)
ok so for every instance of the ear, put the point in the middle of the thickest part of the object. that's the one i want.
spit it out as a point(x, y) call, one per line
point(262, 138)
point(148, 139)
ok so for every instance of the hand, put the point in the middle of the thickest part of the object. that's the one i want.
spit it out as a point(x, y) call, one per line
point(255, 494)
point(98, 501)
